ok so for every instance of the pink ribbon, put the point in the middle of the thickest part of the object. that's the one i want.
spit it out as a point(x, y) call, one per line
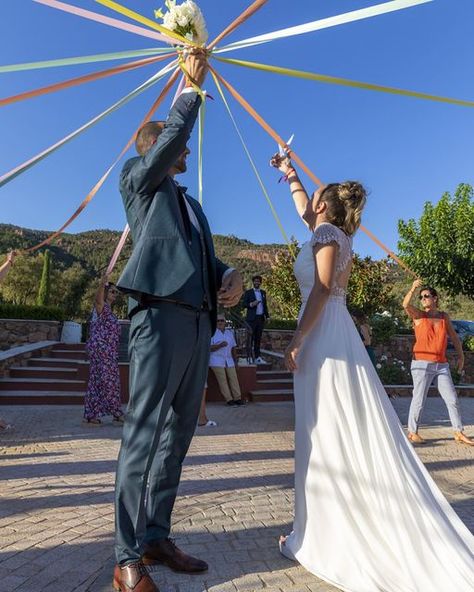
point(106, 20)
point(118, 250)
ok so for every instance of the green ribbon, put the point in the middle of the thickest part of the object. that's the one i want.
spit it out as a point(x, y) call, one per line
point(100, 57)
point(252, 163)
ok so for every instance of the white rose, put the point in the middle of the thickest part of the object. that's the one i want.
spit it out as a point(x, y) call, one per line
point(379, 366)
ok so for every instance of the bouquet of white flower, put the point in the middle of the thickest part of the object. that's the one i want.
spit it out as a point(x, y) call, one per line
point(185, 19)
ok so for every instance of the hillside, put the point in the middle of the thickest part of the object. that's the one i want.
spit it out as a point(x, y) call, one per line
point(93, 249)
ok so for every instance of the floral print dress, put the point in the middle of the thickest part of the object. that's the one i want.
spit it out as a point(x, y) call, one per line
point(103, 390)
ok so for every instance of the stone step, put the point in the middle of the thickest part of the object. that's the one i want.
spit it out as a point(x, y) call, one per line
point(265, 395)
point(264, 374)
point(274, 383)
point(54, 362)
point(43, 372)
point(41, 384)
point(40, 398)
point(69, 354)
point(70, 346)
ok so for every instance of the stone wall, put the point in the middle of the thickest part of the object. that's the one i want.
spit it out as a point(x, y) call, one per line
point(399, 347)
point(15, 332)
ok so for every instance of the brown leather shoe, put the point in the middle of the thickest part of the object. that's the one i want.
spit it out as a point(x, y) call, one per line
point(133, 578)
point(463, 439)
point(166, 552)
point(415, 438)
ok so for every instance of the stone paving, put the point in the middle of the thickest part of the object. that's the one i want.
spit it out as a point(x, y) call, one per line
point(56, 485)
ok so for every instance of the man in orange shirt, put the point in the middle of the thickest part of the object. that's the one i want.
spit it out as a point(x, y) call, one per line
point(430, 363)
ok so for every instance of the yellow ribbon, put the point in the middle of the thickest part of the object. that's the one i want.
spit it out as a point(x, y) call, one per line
point(252, 163)
point(344, 82)
point(144, 21)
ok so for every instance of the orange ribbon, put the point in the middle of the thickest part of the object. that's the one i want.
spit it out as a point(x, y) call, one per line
point(252, 9)
point(279, 140)
point(102, 180)
point(81, 79)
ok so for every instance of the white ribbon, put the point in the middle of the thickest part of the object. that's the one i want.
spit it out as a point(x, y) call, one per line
point(332, 21)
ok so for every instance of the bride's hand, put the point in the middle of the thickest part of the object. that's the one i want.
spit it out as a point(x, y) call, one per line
point(281, 162)
point(292, 352)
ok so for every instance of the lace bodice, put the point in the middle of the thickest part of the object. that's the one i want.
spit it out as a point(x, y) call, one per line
point(304, 265)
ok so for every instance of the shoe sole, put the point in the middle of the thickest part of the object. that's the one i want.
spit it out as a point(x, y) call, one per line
point(147, 561)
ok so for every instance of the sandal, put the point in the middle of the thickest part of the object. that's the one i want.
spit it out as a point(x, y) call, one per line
point(92, 422)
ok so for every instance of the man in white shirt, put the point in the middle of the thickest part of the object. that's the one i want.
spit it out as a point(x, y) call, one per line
point(222, 363)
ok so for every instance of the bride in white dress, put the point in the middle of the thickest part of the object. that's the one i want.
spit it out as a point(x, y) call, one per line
point(368, 516)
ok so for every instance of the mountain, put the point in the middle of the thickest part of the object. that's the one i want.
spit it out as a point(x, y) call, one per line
point(93, 249)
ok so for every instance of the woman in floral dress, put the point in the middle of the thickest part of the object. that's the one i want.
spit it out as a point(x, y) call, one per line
point(103, 390)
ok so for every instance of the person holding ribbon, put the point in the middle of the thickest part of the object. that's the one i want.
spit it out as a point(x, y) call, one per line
point(368, 516)
point(430, 364)
point(103, 389)
point(175, 283)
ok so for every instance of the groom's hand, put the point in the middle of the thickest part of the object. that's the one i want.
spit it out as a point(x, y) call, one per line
point(231, 290)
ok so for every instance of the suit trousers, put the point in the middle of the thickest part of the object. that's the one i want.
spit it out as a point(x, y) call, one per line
point(227, 377)
point(169, 357)
point(257, 329)
point(424, 374)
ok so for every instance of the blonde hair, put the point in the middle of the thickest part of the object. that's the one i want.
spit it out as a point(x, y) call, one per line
point(345, 202)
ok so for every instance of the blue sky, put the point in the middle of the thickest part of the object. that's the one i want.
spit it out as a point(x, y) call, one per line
point(406, 151)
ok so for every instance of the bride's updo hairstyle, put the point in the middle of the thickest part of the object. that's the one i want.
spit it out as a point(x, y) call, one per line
point(345, 202)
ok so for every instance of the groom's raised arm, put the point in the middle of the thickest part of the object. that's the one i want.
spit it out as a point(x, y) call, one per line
point(147, 172)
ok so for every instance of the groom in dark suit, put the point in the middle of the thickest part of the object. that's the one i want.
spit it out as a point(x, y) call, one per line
point(255, 301)
point(175, 283)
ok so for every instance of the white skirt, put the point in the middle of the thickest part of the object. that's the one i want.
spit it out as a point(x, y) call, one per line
point(368, 516)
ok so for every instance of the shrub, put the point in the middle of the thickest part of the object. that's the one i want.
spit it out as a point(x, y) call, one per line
point(384, 327)
point(468, 343)
point(393, 371)
point(23, 311)
point(281, 324)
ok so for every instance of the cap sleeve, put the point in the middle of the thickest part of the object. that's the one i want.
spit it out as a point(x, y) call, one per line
point(324, 234)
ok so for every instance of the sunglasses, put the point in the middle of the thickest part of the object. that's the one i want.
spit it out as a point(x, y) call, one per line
point(425, 296)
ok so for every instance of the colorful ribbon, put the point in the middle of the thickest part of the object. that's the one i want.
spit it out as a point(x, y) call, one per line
point(105, 20)
point(332, 21)
point(80, 80)
point(298, 160)
point(345, 82)
point(104, 177)
point(7, 177)
point(75, 61)
point(252, 163)
point(171, 36)
point(246, 14)
point(118, 250)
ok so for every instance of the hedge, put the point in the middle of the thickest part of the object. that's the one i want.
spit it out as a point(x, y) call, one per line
point(38, 313)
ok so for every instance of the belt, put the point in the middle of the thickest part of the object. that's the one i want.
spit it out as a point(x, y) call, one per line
point(150, 301)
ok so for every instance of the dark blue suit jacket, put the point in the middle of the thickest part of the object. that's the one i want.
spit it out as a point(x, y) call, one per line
point(161, 262)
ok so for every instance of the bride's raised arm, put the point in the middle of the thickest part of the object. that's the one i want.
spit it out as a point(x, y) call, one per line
point(298, 192)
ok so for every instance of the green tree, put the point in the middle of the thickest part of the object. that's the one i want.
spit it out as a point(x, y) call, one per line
point(282, 287)
point(45, 284)
point(21, 284)
point(439, 246)
point(368, 290)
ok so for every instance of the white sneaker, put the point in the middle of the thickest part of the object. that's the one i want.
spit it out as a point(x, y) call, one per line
point(260, 360)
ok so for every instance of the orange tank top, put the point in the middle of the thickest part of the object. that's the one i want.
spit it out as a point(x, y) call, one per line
point(431, 340)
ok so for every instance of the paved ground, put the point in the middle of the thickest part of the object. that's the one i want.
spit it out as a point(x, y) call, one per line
point(56, 515)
